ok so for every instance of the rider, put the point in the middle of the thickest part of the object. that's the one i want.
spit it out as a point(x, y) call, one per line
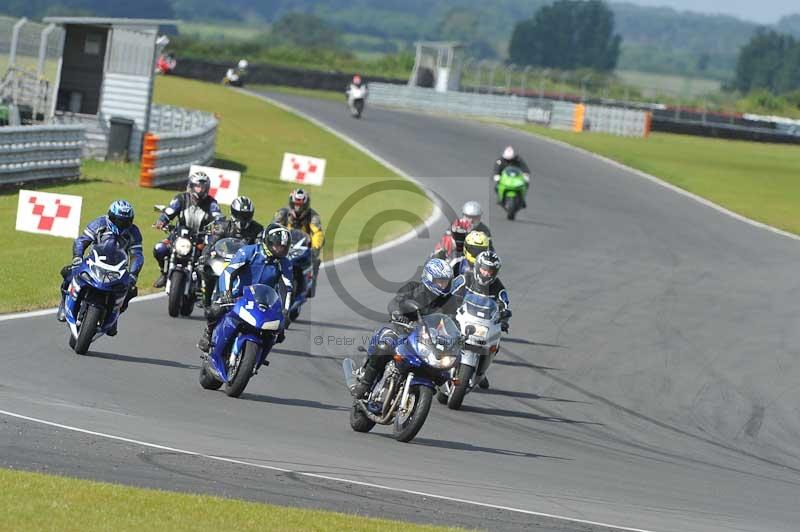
point(300, 215)
point(510, 158)
point(475, 243)
point(196, 195)
point(117, 224)
point(240, 225)
point(261, 263)
point(451, 246)
point(483, 280)
point(356, 83)
point(432, 293)
point(473, 212)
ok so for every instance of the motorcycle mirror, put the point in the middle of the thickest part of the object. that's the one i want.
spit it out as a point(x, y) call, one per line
point(469, 330)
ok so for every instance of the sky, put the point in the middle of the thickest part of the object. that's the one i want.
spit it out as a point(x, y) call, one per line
point(759, 11)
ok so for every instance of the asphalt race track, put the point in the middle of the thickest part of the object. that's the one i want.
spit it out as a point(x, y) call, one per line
point(650, 379)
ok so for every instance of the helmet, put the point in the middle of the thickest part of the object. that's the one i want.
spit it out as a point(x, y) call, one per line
point(242, 211)
point(299, 202)
point(437, 276)
point(356, 80)
point(198, 186)
point(276, 240)
point(459, 231)
point(487, 266)
point(476, 242)
point(472, 210)
point(508, 153)
point(242, 64)
point(120, 216)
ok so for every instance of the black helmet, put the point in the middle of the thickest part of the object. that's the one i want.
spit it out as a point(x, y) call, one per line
point(487, 266)
point(198, 186)
point(276, 240)
point(299, 202)
point(242, 211)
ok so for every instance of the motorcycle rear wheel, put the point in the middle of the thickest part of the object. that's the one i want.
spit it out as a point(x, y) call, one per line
point(406, 428)
point(88, 329)
point(245, 370)
point(175, 293)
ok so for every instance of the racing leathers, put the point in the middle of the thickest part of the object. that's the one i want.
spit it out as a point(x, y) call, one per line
point(467, 283)
point(190, 214)
point(250, 265)
point(310, 223)
point(223, 228)
point(95, 233)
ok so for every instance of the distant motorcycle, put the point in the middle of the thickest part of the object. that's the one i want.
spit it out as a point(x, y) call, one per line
point(242, 340)
point(93, 295)
point(511, 190)
point(234, 78)
point(403, 394)
point(184, 282)
point(480, 320)
point(356, 98)
point(302, 258)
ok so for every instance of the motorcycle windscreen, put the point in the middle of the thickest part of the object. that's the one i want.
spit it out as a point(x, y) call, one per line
point(227, 247)
point(261, 307)
point(480, 306)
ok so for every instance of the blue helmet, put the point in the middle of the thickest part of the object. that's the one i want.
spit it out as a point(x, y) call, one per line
point(120, 216)
point(437, 276)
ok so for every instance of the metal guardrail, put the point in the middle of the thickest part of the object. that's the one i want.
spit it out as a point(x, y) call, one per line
point(178, 139)
point(458, 103)
point(29, 153)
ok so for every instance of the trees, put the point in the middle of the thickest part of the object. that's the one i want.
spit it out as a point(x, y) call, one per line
point(769, 61)
point(305, 31)
point(568, 34)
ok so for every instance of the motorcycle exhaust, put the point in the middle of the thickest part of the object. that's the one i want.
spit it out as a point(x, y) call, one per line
point(348, 366)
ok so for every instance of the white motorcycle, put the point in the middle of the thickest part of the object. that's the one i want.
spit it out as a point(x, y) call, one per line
point(480, 321)
point(356, 96)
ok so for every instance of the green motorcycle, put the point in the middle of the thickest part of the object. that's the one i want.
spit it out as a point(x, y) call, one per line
point(511, 190)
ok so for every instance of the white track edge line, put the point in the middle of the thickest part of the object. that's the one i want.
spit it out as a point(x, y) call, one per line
point(653, 179)
point(434, 216)
point(314, 475)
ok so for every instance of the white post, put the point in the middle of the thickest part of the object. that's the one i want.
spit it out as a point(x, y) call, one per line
point(43, 49)
point(12, 54)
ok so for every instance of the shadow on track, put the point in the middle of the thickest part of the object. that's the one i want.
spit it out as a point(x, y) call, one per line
point(142, 360)
point(305, 403)
point(527, 395)
point(499, 412)
point(303, 354)
point(463, 446)
point(517, 364)
point(333, 325)
point(530, 342)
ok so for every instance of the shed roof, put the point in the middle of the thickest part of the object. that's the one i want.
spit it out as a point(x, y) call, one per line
point(103, 21)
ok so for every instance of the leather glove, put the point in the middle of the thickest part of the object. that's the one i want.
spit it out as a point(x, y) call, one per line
point(280, 337)
point(226, 298)
point(76, 262)
point(132, 281)
point(496, 178)
point(399, 317)
point(160, 224)
point(504, 326)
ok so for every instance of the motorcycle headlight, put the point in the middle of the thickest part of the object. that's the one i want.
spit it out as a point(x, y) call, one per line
point(183, 246)
point(104, 275)
point(442, 360)
point(480, 331)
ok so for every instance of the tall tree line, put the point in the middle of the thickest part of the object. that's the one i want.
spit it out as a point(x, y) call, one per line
point(769, 61)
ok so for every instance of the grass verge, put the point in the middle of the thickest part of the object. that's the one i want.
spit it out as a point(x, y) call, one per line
point(252, 138)
point(38, 502)
point(337, 96)
point(757, 180)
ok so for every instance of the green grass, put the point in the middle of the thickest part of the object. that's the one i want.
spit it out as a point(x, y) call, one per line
point(38, 502)
point(760, 181)
point(337, 96)
point(252, 138)
point(233, 32)
point(654, 84)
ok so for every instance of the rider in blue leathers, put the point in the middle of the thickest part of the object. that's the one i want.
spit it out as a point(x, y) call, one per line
point(262, 263)
point(117, 224)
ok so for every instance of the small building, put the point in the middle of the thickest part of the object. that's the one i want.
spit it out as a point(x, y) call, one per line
point(106, 71)
point(437, 65)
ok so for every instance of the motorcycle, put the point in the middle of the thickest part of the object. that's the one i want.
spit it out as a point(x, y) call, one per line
point(184, 283)
point(480, 320)
point(221, 254)
point(302, 258)
point(511, 190)
point(234, 78)
point(95, 295)
point(242, 340)
point(403, 394)
point(356, 97)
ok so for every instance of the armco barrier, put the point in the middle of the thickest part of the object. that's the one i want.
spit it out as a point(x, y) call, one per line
point(31, 153)
point(178, 139)
point(459, 103)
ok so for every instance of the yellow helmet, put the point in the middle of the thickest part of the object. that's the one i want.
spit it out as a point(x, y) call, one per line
point(475, 243)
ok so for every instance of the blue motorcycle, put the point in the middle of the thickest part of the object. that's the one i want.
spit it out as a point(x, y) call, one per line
point(419, 363)
point(96, 294)
point(302, 258)
point(242, 340)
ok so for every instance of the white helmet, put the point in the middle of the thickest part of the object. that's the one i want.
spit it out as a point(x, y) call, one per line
point(508, 153)
point(472, 209)
point(242, 64)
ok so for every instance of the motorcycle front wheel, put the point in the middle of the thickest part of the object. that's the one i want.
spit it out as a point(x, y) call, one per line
point(88, 329)
point(175, 293)
point(245, 370)
point(464, 374)
point(511, 206)
point(407, 426)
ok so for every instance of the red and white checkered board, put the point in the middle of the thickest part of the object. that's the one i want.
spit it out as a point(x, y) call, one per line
point(302, 169)
point(49, 214)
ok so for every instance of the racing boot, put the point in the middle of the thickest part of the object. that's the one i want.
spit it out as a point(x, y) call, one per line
point(204, 344)
point(365, 382)
point(113, 330)
point(484, 384)
point(61, 315)
point(161, 282)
